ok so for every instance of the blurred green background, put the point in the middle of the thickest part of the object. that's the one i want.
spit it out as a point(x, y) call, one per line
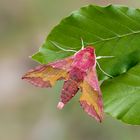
point(27, 112)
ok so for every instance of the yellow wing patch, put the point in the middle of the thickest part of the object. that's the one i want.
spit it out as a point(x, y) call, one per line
point(48, 73)
point(91, 98)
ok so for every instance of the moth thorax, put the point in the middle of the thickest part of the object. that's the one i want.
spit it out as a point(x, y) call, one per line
point(76, 74)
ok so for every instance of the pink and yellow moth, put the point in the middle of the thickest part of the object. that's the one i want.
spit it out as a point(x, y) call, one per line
point(78, 72)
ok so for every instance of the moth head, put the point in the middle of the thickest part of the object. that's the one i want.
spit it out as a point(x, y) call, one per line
point(89, 49)
point(86, 53)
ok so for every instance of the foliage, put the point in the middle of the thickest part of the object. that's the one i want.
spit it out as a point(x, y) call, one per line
point(113, 31)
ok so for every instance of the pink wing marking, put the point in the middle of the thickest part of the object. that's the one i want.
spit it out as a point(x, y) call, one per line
point(91, 99)
point(92, 79)
point(46, 75)
point(90, 110)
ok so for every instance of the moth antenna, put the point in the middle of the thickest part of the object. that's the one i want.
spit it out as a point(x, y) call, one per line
point(62, 48)
point(100, 57)
point(103, 70)
point(82, 42)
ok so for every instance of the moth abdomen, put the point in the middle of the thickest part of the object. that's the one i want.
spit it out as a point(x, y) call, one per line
point(70, 88)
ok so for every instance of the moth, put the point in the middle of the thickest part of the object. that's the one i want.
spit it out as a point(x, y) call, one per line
point(79, 73)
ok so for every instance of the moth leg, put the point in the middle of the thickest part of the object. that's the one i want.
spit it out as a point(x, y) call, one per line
point(56, 45)
point(103, 70)
point(100, 57)
point(82, 42)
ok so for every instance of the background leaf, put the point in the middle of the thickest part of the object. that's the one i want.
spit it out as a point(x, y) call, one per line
point(112, 30)
point(122, 96)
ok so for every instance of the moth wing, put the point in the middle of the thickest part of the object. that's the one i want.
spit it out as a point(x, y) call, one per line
point(91, 98)
point(47, 75)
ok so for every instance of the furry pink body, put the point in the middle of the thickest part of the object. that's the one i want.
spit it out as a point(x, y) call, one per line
point(79, 73)
point(83, 60)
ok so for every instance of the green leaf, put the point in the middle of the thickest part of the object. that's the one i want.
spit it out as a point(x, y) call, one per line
point(122, 96)
point(113, 31)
